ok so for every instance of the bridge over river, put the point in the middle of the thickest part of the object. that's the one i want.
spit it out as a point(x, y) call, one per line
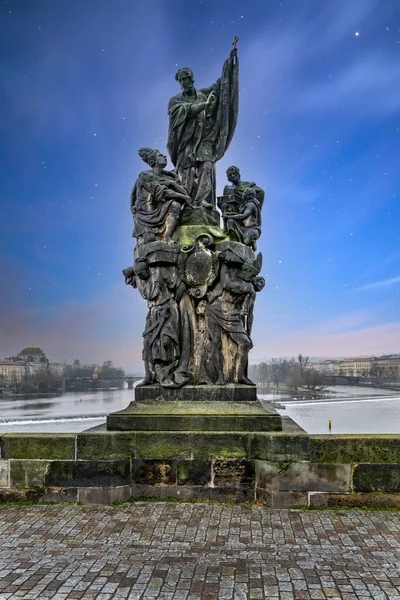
point(84, 384)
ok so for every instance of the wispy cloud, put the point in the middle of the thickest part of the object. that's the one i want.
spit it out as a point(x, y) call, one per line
point(383, 283)
point(368, 340)
point(370, 82)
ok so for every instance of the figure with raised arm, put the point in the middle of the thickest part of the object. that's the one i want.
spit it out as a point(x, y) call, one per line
point(201, 126)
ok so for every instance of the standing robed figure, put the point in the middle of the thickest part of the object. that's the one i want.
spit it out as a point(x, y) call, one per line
point(201, 127)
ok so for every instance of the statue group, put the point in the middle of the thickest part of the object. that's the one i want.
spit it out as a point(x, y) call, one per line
point(199, 278)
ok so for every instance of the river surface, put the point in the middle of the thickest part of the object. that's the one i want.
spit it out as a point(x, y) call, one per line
point(69, 412)
point(352, 410)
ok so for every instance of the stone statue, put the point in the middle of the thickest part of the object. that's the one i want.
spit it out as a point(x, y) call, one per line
point(245, 226)
point(201, 127)
point(160, 286)
point(231, 201)
point(229, 314)
point(156, 199)
point(199, 281)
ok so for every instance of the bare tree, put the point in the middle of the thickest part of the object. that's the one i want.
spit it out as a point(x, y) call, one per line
point(303, 362)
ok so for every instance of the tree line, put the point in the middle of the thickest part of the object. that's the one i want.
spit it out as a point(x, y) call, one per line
point(106, 371)
point(293, 373)
point(43, 378)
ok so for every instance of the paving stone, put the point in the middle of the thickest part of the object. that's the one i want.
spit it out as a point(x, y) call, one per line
point(185, 551)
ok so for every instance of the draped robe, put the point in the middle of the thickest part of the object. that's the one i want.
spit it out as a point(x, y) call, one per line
point(197, 142)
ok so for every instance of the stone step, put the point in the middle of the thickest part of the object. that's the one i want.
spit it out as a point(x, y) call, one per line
point(198, 393)
point(195, 416)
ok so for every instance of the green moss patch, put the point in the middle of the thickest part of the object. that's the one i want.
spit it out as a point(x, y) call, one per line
point(353, 449)
point(30, 446)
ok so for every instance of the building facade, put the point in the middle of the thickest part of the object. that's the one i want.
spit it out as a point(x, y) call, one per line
point(386, 367)
point(11, 372)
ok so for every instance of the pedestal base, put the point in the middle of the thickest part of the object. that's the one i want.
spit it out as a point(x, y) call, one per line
point(198, 393)
point(155, 415)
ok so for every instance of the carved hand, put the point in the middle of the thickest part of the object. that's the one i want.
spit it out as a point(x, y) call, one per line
point(210, 99)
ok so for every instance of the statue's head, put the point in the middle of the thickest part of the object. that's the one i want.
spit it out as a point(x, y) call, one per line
point(249, 195)
point(153, 157)
point(142, 268)
point(233, 175)
point(259, 284)
point(186, 79)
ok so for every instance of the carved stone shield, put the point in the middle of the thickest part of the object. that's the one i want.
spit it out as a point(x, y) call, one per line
point(198, 265)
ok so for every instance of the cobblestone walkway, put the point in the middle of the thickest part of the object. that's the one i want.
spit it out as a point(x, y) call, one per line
point(197, 552)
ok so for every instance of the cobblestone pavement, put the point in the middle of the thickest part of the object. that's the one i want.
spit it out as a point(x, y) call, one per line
point(197, 552)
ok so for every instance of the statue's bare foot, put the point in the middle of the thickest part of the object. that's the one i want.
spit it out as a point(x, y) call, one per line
point(168, 383)
point(181, 379)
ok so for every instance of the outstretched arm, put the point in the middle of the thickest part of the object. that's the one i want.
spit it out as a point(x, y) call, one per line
point(242, 216)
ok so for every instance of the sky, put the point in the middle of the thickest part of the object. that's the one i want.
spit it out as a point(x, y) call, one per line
point(85, 84)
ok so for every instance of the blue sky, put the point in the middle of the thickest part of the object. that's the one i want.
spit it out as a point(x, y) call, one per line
point(83, 85)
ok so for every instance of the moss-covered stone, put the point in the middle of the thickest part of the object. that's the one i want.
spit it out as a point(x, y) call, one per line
point(220, 445)
point(188, 394)
point(234, 473)
point(196, 422)
point(189, 232)
point(154, 472)
point(105, 445)
point(355, 449)
point(191, 445)
point(28, 473)
point(3, 473)
point(216, 414)
point(193, 472)
point(87, 473)
point(31, 446)
point(186, 408)
point(376, 478)
point(280, 447)
point(162, 444)
point(356, 500)
point(302, 476)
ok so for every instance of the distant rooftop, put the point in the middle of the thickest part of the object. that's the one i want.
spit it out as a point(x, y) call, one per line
point(32, 352)
point(10, 362)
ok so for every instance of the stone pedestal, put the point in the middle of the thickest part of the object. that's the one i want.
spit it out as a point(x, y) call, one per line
point(195, 408)
point(198, 393)
point(196, 441)
point(176, 415)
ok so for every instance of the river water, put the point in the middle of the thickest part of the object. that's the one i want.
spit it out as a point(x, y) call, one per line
point(351, 409)
point(69, 412)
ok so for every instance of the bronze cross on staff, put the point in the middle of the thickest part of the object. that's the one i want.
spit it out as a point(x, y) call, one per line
point(235, 41)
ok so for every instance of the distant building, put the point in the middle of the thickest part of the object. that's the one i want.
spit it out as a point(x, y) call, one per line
point(11, 371)
point(330, 367)
point(32, 354)
point(355, 367)
point(57, 369)
point(386, 367)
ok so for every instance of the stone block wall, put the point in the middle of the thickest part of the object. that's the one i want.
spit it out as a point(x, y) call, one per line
point(279, 469)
